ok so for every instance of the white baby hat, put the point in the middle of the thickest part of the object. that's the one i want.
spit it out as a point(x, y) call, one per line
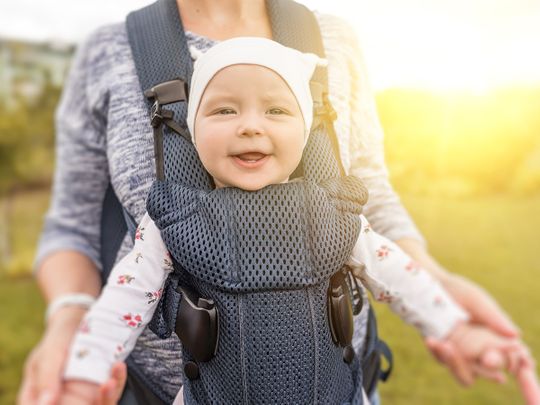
point(295, 67)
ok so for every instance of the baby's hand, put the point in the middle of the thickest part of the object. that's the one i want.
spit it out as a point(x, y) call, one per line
point(77, 392)
point(489, 354)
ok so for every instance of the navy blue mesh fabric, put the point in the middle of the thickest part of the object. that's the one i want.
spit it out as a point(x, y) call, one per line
point(265, 257)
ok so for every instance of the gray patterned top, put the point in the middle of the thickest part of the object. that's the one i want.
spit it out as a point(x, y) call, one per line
point(103, 133)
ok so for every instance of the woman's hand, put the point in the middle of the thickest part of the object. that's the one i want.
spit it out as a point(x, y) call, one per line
point(481, 307)
point(42, 375)
point(42, 379)
point(484, 311)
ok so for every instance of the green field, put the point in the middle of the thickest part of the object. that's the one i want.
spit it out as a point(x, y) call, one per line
point(493, 240)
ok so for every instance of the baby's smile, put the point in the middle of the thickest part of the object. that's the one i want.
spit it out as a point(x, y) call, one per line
point(250, 160)
point(250, 130)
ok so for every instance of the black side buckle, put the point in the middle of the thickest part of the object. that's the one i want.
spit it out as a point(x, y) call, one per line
point(340, 314)
point(197, 325)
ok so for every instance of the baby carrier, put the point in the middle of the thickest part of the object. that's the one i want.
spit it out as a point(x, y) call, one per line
point(259, 290)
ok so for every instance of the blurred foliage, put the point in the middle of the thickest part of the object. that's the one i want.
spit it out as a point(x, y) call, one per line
point(462, 143)
point(27, 141)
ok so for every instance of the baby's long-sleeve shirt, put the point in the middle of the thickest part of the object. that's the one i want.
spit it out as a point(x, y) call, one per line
point(111, 327)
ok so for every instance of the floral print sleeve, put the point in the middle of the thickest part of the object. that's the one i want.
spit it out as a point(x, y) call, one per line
point(110, 329)
point(393, 277)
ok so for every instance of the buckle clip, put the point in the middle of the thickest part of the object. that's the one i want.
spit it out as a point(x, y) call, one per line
point(155, 115)
point(158, 115)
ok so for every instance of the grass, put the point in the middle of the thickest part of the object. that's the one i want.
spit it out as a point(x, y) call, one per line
point(492, 240)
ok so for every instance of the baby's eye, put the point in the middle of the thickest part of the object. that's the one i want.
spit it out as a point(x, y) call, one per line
point(225, 111)
point(276, 111)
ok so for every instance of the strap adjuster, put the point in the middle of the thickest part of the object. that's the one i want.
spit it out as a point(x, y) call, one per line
point(158, 115)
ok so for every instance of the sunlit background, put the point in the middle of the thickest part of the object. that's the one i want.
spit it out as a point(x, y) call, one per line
point(457, 85)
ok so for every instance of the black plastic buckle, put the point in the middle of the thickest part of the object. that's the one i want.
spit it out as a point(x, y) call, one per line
point(155, 115)
point(197, 325)
point(168, 92)
point(340, 314)
point(158, 115)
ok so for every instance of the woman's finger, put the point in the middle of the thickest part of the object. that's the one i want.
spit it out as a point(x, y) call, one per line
point(529, 386)
point(49, 375)
point(446, 354)
point(482, 308)
point(27, 394)
point(42, 381)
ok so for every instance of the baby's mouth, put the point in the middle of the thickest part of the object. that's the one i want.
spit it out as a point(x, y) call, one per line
point(250, 160)
point(251, 157)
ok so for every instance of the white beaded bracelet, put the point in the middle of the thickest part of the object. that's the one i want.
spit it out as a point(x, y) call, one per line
point(65, 300)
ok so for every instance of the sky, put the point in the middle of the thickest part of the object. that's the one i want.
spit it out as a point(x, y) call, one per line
point(436, 44)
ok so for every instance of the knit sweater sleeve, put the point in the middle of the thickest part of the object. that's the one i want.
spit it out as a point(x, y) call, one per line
point(359, 129)
point(81, 173)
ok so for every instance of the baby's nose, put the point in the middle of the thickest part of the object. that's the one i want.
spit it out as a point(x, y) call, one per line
point(250, 125)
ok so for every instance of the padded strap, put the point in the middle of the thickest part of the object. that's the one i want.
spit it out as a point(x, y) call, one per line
point(158, 44)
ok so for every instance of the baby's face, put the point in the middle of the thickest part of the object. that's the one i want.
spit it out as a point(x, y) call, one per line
point(249, 130)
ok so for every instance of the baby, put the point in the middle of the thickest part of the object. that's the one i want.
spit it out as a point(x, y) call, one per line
point(250, 115)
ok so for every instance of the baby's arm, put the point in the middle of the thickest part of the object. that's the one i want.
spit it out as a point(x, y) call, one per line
point(110, 329)
point(393, 277)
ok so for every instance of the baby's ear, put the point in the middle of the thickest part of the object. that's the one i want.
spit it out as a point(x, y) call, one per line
point(312, 61)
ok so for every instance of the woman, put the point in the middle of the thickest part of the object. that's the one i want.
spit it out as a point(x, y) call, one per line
point(103, 131)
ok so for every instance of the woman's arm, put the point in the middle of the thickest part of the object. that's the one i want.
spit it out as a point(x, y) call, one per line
point(56, 276)
point(385, 211)
point(44, 365)
point(67, 259)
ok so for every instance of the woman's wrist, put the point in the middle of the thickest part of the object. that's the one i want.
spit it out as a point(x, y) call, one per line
point(67, 318)
point(82, 300)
